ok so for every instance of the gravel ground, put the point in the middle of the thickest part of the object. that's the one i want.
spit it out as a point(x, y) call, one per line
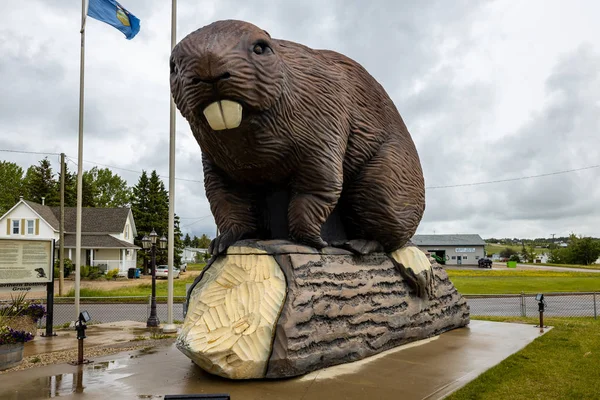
point(60, 357)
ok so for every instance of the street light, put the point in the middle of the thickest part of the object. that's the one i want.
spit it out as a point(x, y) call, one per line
point(149, 243)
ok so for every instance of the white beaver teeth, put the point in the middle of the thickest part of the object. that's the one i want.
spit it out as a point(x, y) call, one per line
point(224, 114)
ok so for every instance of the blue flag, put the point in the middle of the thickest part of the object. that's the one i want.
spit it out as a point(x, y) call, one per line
point(114, 14)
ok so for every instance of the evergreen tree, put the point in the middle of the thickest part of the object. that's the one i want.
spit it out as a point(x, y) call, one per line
point(158, 204)
point(89, 191)
point(140, 210)
point(187, 241)
point(39, 182)
point(70, 188)
point(203, 242)
point(11, 185)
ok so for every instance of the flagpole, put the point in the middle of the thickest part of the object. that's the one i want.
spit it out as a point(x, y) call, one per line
point(80, 163)
point(170, 327)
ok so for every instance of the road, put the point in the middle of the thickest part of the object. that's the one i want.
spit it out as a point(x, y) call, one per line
point(556, 305)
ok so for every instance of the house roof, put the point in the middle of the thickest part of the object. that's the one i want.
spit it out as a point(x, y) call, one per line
point(97, 242)
point(46, 213)
point(448, 240)
point(93, 220)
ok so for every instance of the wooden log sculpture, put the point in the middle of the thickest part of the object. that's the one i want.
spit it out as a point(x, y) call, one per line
point(301, 145)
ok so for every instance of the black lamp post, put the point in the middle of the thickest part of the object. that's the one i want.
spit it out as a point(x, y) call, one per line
point(150, 243)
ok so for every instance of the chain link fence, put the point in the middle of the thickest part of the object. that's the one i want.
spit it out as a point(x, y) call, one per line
point(525, 305)
point(114, 309)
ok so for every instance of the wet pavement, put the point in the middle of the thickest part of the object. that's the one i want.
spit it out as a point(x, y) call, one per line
point(96, 335)
point(429, 369)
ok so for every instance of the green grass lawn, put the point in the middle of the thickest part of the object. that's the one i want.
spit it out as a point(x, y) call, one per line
point(528, 281)
point(593, 266)
point(196, 267)
point(143, 289)
point(562, 364)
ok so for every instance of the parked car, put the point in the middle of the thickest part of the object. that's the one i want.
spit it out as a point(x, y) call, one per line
point(162, 271)
point(484, 263)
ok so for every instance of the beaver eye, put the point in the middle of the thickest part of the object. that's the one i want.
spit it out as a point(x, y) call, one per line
point(260, 48)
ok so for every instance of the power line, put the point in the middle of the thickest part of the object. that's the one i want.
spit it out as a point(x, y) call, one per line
point(29, 152)
point(427, 187)
point(137, 172)
point(514, 179)
point(195, 222)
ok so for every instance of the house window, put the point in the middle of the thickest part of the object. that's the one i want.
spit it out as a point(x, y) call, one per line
point(454, 257)
point(464, 257)
point(477, 257)
point(30, 227)
point(16, 224)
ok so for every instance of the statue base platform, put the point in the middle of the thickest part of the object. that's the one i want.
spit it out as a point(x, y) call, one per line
point(275, 309)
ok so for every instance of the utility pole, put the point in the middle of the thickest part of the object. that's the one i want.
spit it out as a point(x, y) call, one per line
point(61, 273)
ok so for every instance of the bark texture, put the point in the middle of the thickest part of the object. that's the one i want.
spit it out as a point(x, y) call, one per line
point(342, 308)
point(338, 308)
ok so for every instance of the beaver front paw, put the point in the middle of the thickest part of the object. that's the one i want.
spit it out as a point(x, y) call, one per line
point(228, 237)
point(312, 241)
point(416, 270)
point(360, 247)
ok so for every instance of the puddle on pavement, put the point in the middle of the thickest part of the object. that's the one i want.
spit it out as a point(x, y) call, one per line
point(88, 377)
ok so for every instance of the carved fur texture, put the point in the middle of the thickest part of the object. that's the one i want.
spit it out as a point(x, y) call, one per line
point(314, 122)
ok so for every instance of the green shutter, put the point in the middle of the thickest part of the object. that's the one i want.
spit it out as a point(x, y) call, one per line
point(37, 226)
point(8, 226)
point(23, 226)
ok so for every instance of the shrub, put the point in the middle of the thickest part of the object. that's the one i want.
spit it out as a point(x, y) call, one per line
point(514, 257)
point(91, 273)
point(112, 274)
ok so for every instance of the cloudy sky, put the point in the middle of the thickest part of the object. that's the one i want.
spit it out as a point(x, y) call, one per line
point(490, 91)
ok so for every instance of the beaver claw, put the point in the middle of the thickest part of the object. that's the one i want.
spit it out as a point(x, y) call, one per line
point(313, 241)
point(416, 270)
point(220, 244)
point(359, 246)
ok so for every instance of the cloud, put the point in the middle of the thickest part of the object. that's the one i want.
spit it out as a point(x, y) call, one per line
point(486, 93)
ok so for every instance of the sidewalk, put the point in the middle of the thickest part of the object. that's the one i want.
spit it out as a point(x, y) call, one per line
point(101, 339)
point(429, 369)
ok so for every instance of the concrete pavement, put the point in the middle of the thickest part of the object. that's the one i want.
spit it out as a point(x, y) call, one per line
point(429, 369)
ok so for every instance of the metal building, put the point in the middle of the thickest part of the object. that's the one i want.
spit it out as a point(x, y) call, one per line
point(452, 249)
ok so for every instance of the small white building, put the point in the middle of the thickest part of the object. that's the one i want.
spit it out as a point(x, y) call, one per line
point(453, 249)
point(193, 254)
point(107, 234)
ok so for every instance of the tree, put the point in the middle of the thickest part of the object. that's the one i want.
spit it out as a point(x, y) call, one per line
point(582, 250)
point(528, 253)
point(70, 188)
point(39, 182)
point(140, 211)
point(150, 208)
point(109, 190)
point(187, 241)
point(11, 185)
point(507, 252)
point(203, 242)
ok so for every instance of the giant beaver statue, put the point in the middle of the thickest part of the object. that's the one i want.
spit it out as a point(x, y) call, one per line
point(273, 115)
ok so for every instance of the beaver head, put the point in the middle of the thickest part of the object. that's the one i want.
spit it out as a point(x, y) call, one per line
point(225, 74)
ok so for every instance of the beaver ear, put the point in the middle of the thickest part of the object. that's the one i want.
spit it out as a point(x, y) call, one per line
point(267, 34)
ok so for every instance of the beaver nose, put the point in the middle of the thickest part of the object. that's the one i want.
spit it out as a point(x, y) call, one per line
point(211, 80)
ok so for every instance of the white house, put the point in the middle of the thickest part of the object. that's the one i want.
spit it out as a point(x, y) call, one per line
point(192, 254)
point(106, 233)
